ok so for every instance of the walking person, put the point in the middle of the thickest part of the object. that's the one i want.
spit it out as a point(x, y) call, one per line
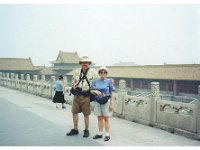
point(60, 90)
point(103, 89)
point(81, 82)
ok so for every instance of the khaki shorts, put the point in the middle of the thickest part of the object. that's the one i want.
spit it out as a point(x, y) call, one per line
point(81, 104)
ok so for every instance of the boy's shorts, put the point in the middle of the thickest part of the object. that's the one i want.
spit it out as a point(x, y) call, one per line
point(81, 104)
point(102, 110)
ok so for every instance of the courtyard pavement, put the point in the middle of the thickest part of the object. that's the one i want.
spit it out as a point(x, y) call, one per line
point(30, 120)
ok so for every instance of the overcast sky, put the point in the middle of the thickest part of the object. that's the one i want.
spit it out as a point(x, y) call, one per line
point(108, 33)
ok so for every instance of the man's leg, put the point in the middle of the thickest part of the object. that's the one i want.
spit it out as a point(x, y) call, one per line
point(86, 112)
point(86, 121)
point(75, 130)
point(75, 120)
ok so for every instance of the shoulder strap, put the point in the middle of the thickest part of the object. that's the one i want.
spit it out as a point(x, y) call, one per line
point(87, 81)
point(80, 78)
point(83, 77)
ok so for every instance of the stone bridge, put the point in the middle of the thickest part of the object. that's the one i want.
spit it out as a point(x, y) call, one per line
point(176, 117)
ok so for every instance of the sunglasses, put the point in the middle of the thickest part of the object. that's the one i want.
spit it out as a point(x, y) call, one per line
point(103, 72)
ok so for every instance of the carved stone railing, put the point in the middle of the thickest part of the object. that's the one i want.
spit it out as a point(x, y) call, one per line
point(119, 101)
point(137, 109)
point(147, 108)
point(177, 115)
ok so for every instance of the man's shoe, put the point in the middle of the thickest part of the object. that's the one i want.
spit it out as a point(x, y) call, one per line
point(63, 107)
point(86, 133)
point(97, 136)
point(106, 138)
point(72, 132)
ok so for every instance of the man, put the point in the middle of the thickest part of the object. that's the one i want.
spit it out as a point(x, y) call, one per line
point(81, 102)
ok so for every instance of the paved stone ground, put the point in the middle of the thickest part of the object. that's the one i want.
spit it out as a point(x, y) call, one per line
point(30, 120)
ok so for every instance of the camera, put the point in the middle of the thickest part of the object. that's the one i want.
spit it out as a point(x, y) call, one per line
point(77, 91)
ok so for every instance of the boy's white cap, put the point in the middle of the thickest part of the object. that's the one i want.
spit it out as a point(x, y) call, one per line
point(103, 68)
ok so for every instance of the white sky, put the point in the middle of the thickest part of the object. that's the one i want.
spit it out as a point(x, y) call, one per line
point(107, 33)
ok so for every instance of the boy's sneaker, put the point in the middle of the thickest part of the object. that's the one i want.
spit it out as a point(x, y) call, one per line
point(72, 132)
point(86, 133)
point(97, 136)
point(106, 138)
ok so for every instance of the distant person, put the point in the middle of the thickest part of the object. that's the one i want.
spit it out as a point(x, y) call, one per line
point(60, 90)
point(103, 89)
point(81, 82)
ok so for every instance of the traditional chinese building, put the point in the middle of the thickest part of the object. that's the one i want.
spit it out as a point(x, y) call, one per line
point(65, 62)
point(19, 66)
point(174, 79)
point(48, 72)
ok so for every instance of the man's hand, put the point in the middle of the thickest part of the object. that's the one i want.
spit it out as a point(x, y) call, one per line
point(97, 92)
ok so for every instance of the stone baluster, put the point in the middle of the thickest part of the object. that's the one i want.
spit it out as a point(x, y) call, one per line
point(21, 80)
point(155, 89)
point(16, 81)
point(16, 77)
point(53, 80)
point(198, 113)
point(12, 76)
point(12, 80)
point(4, 75)
point(42, 83)
point(35, 78)
point(122, 85)
point(65, 81)
point(199, 91)
point(154, 98)
point(22, 76)
point(43, 78)
point(28, 77)
point(7, 75)
point(120, 100)
point(1, 78)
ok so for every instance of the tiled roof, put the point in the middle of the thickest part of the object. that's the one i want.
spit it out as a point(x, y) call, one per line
point(16, 64)
point(39, 67)
point(165, 72)
point(67, 57)
point(125, 64)
point(48, 71)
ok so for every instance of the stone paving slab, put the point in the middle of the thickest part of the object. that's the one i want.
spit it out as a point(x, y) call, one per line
point(30, 120)
point(20, 127)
